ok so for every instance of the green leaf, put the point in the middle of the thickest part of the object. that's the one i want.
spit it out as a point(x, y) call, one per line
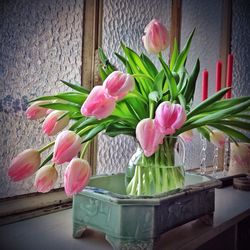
point(227, 103)
point(151, 69)
point(135, 59)
point(205, 132)
point(124, 131)
point(102, 56)
point(215, 116)
point(171, 81)
point(203, 105)
point(76, 87)
point(181, 59)
point(102, 73)
point(77, 123)
point(93, 132)
point(174, 55)
point(62, 106)
point(88, 121)
point(154, 96)
point(117, 128)
point(159, 82)
point(121, 58)
point(182, 100)
point(132, 109)
point(190, 88)
point(72, 97)
point(46, 160)
point(237, 123)
point(232, 132)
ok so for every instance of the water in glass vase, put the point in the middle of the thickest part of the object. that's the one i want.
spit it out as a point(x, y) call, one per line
point(161, 172)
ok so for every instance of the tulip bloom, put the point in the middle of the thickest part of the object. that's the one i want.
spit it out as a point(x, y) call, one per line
point(76, 176)
point(24, 165)
point(148, 136)
point(98, 104)
point(34, 111)
point(52, 125)
point(240, 155)
point(118, 84)
point(45, 178)
point(217, 138)
point(169, 117)
point(67, 146)
point(187, 136)
point(156, 38)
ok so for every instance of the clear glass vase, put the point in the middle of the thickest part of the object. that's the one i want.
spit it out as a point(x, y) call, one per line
point(161, 172)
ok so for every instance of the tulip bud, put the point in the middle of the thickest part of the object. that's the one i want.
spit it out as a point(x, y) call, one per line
point(67, 146)
point(156, 38)
point(34, 111)
point(148, 136)
point(98, 104)
point(45, 178)
point(240, 157)
point(218, 138)
point(24, 165)
point(76, 176)
point(52, 124)
point(118, 84)
point(187, 136)
point(169, 117)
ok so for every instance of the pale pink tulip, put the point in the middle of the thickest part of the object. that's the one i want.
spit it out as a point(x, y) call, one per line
point(76, 176)
point(45, 178)
point(218, 138)
point(118, 84)
point(187, 136)
point(24, 165)
point(52, 125)
point(148, 137)
point(34, 111)
point(98, 104)
point(67, 146)
point(169, 117)
point(240, 155)
point(156, 38)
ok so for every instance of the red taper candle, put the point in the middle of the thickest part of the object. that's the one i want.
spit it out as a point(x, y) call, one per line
point(229, 79)
point(218, 76)
point(204, 85)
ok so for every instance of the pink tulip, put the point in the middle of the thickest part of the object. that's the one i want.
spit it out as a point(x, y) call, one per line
point(240, 155)
point(187, 136)
point(156, 38)
point(76, 176)
point(169, 117)
point(52, 125)
point(148, 137)
point(98, 104)
point(45, 178)
point(118, 84)
point(34, 111)
point(67, 146)
point(217, 138)
point(24, 165)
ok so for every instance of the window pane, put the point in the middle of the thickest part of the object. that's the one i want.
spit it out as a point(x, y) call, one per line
point(41, 43)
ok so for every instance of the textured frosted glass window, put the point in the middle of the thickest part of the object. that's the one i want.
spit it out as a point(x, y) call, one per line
point(206, 17)
point(241, 48)
point(125, 21)
point(40, 44)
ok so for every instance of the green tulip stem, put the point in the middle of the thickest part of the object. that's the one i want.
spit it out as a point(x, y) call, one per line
point(85, 129)
point(84, 149)
point(46, 147)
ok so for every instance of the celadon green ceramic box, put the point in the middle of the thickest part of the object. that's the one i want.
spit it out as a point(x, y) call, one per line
point(137, 222)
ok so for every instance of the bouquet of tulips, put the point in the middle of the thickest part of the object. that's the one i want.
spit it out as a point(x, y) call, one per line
point(149, 103)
